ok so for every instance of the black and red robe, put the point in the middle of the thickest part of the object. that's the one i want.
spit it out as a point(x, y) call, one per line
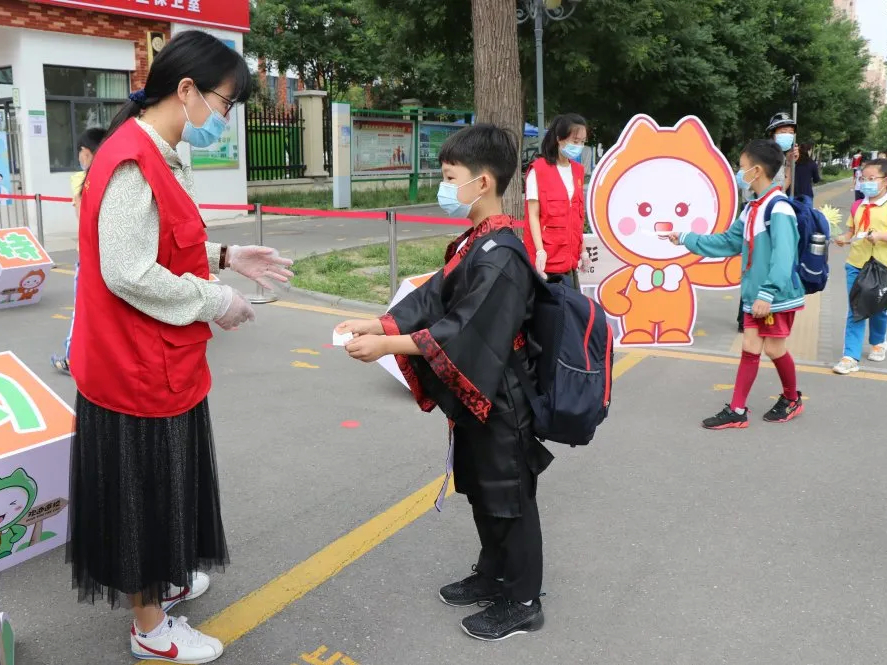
point(468, 320)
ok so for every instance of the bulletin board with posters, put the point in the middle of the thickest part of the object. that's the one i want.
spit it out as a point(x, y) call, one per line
point(36, 427)
point(431, 138)
point(381, 147)
point(5, 180)
point(24, 267)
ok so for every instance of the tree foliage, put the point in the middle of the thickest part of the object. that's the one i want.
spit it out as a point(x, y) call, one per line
point(728, 63)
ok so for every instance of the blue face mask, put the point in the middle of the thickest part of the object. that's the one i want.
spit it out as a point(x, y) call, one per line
point(573, 151)
point(785, 141)
point(448, 199)
point(870, 188)
point(209, 133)
point(740, 181)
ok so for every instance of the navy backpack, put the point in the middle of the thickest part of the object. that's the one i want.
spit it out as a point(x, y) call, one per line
point(812, 269)
point(571, 397)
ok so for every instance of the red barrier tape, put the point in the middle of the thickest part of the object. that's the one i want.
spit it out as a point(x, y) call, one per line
point(19, 197)
point(57, 199)
point(445, 221)
point(310, 212)
point(249, 208)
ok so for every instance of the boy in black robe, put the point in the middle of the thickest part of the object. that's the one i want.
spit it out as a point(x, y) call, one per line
point(456, 340)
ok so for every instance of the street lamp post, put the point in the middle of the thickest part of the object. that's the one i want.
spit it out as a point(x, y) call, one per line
point(539, 11)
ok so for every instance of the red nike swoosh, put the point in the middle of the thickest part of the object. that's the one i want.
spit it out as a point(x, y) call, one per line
point(181, 595)
point(172, 653)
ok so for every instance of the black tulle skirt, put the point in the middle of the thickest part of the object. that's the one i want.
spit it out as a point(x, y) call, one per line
point(144, 504)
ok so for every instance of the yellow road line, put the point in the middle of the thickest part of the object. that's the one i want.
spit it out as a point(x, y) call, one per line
point(259, 606)
point(727, 360)
point(324, 310)
point(63, 271)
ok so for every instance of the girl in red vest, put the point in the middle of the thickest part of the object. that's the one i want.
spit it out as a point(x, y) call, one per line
point(144, 490)
point(554, 208)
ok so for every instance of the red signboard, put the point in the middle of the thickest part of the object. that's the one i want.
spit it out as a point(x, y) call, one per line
point(224, 14)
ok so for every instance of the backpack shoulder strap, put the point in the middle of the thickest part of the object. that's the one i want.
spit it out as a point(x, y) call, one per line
point(855, 207)
point(513, 242)
point(768, 209)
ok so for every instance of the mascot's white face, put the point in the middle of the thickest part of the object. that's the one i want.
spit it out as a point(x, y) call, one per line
point(657, 197)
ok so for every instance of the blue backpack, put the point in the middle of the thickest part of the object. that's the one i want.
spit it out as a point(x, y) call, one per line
point(812, 269)
point(571, 396)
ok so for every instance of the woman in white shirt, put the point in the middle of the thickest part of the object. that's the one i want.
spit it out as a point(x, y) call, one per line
point(554, 207)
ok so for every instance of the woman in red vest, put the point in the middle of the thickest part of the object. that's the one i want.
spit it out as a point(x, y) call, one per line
point(554, 208)
point(144, 489)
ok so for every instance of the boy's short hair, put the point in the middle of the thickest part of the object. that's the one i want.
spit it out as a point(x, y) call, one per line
point(881, 163)
point(483, 147)
point(91, 139)
point(767, 154)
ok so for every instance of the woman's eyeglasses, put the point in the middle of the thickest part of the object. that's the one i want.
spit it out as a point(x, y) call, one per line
point(229, 104)
point(872, 179)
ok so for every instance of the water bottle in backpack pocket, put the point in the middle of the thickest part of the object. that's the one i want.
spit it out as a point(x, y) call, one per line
point(813, 239)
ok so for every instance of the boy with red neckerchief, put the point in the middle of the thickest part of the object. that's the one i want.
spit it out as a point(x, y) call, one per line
point(771, 290)
point(453, 339)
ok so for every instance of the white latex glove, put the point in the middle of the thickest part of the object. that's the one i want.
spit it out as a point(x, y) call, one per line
point(541, 260)
point(260, 264)
point(235, 309)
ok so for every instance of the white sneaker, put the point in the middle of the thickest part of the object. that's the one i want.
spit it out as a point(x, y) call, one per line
point(180, 644)
point(845, 366)
point(199, 585)
point(878, 353)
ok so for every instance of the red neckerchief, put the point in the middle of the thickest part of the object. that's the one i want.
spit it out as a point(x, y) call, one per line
point(866, 220)
point(750, 224)
point(454, 254)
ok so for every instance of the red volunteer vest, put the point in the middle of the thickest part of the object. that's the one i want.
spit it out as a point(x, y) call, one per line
point(122, 359)
point(561, 217)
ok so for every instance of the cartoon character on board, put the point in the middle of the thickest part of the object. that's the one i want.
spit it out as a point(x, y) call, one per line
point(30, 285)
point(654, 181)
point(17, 494)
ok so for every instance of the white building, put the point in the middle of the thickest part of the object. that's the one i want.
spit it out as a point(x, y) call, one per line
point(66, 66)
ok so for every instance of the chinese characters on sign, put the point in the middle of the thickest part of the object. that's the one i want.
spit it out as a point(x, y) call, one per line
point(225, 14)
point(24, 266)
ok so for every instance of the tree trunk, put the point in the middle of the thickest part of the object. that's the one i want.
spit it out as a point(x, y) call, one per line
point(497, 81)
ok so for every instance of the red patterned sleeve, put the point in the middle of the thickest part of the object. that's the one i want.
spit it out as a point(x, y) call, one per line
point(426, 404)
point(467, 393)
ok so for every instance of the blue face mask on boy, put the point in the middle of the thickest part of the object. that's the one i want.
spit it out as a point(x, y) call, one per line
point(785, 141)
point(572, 151)
point(870, 188)
point(209, 133)
point(448, 199)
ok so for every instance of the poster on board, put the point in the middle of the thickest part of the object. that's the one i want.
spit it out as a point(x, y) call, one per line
point(431, 138)
point(381, 147)
point(24, 267)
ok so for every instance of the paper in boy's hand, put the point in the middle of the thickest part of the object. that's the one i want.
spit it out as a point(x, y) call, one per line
point(341, 339)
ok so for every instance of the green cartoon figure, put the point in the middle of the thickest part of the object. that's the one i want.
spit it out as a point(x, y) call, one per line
point(17, 494)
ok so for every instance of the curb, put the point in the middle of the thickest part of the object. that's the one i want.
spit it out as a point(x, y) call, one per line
point(338, 301)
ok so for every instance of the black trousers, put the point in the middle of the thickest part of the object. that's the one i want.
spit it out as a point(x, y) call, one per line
point(511, 548)
point(570, 279)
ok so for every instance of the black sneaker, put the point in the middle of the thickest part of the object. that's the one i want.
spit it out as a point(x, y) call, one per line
point(785, 410)
point(471, 590)
point(726, 418)
point(504, 618)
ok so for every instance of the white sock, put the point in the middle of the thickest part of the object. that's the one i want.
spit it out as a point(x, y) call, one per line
point(740, 411)
point(164, 626)
point(527, 603)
